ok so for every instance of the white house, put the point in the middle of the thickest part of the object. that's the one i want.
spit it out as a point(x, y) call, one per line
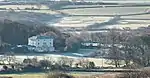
point(94, 44)
point(41, 43)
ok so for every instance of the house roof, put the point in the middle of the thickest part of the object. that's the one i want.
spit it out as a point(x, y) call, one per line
point(44, 37)
point(41, 37)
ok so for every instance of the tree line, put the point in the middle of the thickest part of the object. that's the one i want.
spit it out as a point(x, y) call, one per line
point(43, 65)
point(129, 46)
point(14, 33)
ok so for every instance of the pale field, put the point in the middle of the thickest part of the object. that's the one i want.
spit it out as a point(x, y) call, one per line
point(119, 1)
point(137, 16)
point(126, 21)
point(132, 26)
point(105, 11)
point(73, 6)
point(99, 62)
point(39, 11)
point(84, 21)
point(45, 10)
point(79, 21)
point(138, 21)
point(23, 6)
point(36, 75)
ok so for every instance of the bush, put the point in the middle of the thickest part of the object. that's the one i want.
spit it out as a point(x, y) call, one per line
point(31, 68)
point(5, 67)
point(27, 61)
point(58, 75)
point(91, 65)
point(45, 64)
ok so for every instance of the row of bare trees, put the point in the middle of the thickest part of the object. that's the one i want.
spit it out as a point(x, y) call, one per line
point(129, 47)
point(123, 45)
point(47, 63)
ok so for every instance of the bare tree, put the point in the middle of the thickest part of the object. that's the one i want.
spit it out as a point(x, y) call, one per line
point(72, 43)
point(114, 52)
point(39, 6)
point(83, 62)
point(45, 64)
point(70, 61)
point(65, 61)
point(62, 61)
point(9, 58)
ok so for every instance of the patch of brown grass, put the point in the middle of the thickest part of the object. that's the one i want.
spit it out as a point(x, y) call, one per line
point(57, 75)
point(36, 75)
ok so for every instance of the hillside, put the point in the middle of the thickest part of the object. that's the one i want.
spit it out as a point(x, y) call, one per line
point(15, 33)
point(27, 18)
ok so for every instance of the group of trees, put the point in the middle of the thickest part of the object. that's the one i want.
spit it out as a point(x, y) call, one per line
point(63, 63)
point(124, 45)
point(14, 33)
point(46, 64)
point(85, 63)
point(128, 47)
point(17, 33)
point(73, 43)
point(7, 58)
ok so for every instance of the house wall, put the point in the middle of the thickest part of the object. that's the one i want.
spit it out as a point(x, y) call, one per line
point(44, 43)
point(41, 44)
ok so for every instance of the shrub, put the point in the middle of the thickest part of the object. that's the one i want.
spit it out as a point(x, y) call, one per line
point(91, 65)
point(5, 67)
point(31, 68)
point(45, 64)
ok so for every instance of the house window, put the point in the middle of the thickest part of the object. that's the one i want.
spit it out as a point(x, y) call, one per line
point(44, 42)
